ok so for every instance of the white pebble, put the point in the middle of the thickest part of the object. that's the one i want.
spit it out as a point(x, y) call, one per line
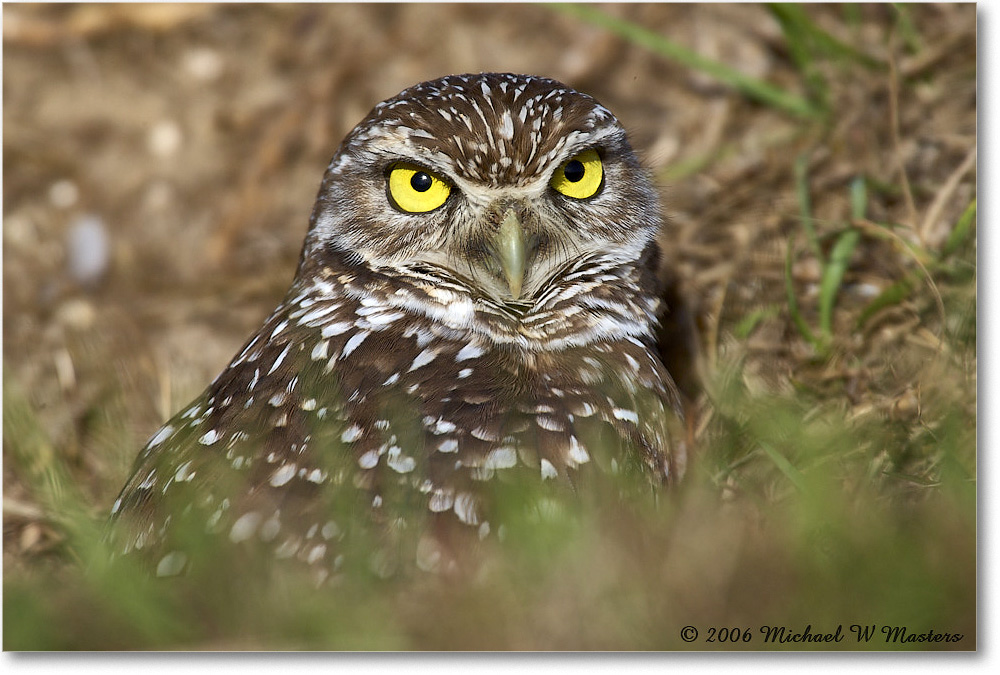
point(203, 64)
point(63, 193)
point(164, 139)
point(88, 249)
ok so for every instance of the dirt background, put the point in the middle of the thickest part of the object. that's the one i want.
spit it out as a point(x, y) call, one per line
point(192, 139)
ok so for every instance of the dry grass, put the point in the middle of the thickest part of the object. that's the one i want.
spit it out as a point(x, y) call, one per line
point(830, 254)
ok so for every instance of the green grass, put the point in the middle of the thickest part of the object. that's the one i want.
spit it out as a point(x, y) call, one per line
point(823, 520)
point(754, 88)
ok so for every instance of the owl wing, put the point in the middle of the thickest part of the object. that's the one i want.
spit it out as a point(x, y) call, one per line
point(242, 460)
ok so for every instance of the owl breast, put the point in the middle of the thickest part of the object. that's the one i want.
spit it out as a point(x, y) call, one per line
point(475, 387)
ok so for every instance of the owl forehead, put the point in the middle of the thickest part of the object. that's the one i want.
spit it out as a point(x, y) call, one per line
point(495, 129)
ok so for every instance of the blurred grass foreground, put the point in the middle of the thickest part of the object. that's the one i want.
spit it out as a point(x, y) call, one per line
point(822, 220)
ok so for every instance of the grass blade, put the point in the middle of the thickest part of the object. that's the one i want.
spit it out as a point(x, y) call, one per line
point(905, 27)
point(840, 256)
point(961, 231)
point(859, 198)
point(747, 324)
point(797, 40)
point(758, 90)
point(786, 467)
point(793, 303)
point(805, 206)
point(893, 295)
point(807, 31)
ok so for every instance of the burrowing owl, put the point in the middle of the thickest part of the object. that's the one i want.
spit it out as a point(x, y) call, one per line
point(476, 302)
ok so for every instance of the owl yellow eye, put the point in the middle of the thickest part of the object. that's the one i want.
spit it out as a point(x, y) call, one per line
point(416, 190)
point(580, 177)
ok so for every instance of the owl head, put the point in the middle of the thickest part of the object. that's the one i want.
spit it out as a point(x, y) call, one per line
point(502, 183)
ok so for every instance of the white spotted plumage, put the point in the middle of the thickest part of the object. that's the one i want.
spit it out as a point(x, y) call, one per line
point(402, 360)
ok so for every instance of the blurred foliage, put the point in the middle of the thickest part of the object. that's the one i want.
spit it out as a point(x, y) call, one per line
point(864, 520)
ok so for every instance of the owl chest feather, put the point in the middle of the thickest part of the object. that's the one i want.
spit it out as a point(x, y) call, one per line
point(475, 388)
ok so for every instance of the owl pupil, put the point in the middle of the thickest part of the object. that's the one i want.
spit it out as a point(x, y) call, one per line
point(421, 182)
point(574, 171)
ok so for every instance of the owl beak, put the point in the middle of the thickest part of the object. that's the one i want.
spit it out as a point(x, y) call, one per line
point(511, 251)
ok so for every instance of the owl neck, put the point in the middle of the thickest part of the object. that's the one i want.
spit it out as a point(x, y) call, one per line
point(596, 299)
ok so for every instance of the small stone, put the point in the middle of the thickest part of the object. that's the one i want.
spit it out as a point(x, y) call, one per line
point(88, 250)
point(164, 139)
point(203, 64)
point(63, 193)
